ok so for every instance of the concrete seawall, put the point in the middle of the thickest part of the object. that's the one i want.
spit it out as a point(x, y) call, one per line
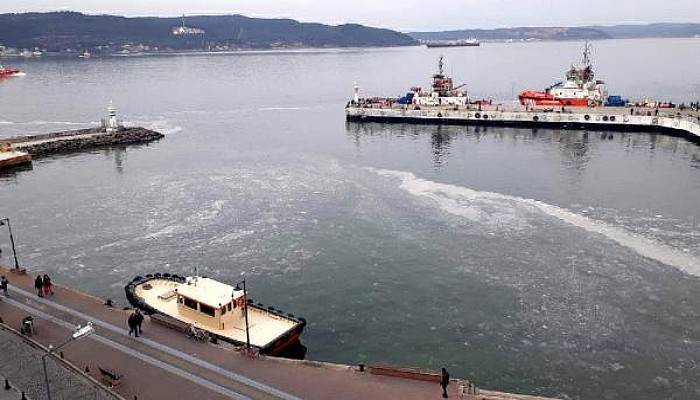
point(79, 140)
point(619, 119)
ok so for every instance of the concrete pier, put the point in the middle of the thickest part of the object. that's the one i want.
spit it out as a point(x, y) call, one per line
point(78, 140)
point(667, 121)
point(164, 363)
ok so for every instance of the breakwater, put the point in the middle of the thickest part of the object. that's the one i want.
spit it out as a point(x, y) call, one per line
point(79, 140)
point(603, 118)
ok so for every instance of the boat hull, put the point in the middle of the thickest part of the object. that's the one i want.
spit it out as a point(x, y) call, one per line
point(542, 99)
point(9, 72)
point(287, 344)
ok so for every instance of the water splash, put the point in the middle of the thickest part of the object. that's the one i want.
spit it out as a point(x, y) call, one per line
point(496, 210)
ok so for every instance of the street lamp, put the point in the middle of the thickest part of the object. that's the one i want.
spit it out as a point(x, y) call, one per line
point(245, 311)
point(78, 333)
point(4, 221)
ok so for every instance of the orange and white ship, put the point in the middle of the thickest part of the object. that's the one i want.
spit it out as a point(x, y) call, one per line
point(8, 72)
point(580, 89)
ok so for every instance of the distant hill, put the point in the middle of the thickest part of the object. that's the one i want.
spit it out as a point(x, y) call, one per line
point(661, 30)
point(61, 31)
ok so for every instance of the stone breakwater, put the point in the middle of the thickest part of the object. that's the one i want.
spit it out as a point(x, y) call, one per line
point(79, 140)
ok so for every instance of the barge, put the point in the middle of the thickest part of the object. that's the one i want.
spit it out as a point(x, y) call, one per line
point(224, 311)
point(447, 104)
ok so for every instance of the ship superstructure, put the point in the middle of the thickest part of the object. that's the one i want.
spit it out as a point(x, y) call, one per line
point(580, 89)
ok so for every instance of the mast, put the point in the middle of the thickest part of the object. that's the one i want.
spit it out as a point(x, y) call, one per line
point(586, 61)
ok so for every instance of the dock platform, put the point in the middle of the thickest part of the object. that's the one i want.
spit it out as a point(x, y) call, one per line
point(165, 363)
point(666, 121)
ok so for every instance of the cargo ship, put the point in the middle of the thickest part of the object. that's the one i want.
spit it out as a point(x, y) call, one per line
point(6, 72)
point(580, 89)
point(452, 43)
point(224, 311)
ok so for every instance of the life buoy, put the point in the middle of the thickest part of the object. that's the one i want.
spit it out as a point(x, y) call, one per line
point(240, 302)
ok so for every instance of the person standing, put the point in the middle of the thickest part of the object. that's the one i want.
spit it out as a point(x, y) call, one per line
point(3, 285)
point(444, 381)
point(39, 286)
point(132, 325)
point(48, 287)
point(138, 320)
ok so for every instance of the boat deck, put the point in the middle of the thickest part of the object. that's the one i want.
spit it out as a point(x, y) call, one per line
point(264, 327)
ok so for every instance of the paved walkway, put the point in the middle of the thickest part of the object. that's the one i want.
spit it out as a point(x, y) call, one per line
point(165, 363)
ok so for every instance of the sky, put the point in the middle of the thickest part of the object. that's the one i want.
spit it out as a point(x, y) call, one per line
point(402, 15)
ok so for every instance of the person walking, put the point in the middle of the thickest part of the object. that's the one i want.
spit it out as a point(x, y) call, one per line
point(39, 286)
point(48, 287)
point(444, 381)
point(138, 320)
point(3, 285)
point(132, 325)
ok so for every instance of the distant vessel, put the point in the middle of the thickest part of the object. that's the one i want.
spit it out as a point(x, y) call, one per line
point(580, 89)
point(224, 311)
point(6, 72)
point(85, 54)
point(453, 43)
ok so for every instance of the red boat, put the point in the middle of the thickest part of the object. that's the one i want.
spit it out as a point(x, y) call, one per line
point(7, 72)
point(579, 90)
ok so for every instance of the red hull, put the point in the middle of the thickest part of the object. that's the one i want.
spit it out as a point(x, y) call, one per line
point(531, 97)
point(8, 72)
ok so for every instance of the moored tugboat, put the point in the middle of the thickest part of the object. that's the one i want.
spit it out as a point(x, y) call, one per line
point(580, 89)
point(224, 311)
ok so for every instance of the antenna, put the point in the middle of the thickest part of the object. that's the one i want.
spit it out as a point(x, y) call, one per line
point(440, 65)
point(587, 54)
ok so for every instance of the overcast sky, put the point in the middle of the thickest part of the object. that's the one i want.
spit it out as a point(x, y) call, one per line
point(404, 15)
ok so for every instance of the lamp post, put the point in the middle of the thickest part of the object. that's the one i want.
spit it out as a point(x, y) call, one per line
point(78, 333)
point(4, 221)
point(245, 312)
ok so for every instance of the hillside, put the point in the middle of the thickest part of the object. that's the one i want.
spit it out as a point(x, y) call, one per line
point(567, 33)
point(62, 31)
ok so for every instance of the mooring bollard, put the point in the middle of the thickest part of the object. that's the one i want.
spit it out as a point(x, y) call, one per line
point(362, 367)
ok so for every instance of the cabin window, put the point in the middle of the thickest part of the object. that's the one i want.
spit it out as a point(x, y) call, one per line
point(210, 311)
point(223, 310)
point(190, 303)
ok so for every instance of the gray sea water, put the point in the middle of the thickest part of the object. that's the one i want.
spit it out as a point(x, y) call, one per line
point(545, 262)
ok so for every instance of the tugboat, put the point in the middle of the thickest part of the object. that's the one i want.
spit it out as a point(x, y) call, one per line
point(8, 72)
point(579, 90)
point(224, 311)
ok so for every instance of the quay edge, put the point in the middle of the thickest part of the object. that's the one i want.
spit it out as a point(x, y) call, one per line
point(606, 118)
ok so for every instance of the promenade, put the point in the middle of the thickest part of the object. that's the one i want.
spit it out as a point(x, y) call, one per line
point(164, 363)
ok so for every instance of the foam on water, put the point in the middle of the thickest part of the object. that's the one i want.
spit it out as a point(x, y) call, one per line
point(495, 209)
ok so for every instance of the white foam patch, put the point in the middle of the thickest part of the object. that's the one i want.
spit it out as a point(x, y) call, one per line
point(497, 209)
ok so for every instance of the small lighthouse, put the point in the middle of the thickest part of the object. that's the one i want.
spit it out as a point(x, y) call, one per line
point(111, 123)
point(356, 96)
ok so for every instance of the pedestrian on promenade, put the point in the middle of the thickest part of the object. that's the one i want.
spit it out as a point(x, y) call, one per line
point(444, 381)
point(132, 325)
point(139, 321)
point(39, 286)
point(3, 285)
point(48, 287)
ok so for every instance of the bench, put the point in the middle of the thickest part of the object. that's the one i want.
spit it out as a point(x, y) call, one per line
point(110, 377)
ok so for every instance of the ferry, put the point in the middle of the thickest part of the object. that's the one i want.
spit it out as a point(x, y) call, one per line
point(580, 89)
point(442, 92)
point(6, 72)
point(224, 311)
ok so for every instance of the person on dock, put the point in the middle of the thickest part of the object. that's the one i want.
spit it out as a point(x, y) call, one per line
point(139, 321)
point(133, 328)
point(39, 286)
point(444, 381)
point(47, 285)
point(3, 285)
